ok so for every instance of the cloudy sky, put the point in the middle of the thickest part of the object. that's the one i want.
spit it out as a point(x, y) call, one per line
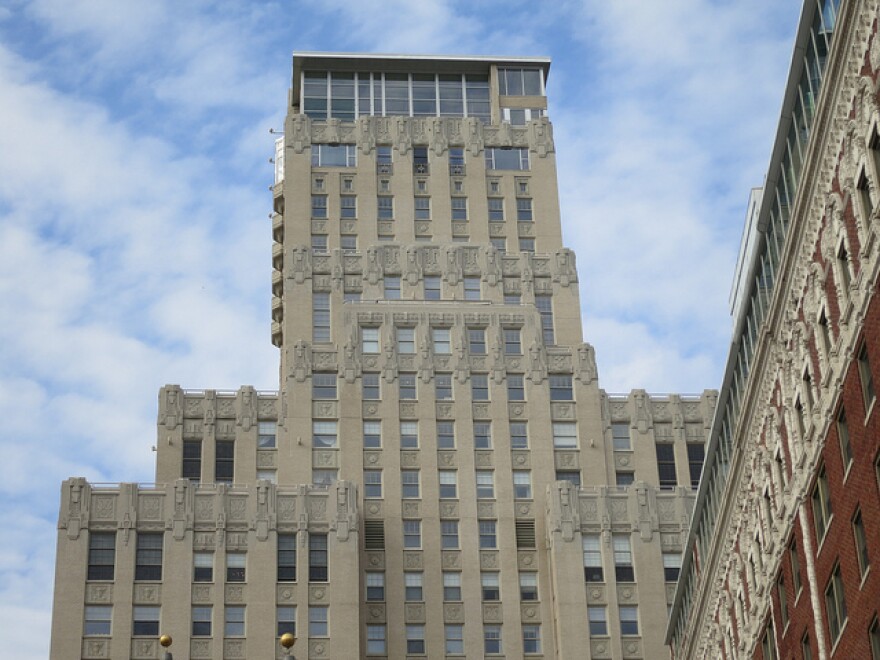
point(135, 242)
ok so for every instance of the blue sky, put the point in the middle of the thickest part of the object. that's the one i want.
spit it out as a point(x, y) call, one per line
point(135, 242)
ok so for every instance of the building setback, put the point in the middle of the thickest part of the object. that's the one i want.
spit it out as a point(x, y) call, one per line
point(787, 519)
point(439, 473)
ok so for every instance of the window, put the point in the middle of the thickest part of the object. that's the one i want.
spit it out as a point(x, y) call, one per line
point(392, 287)
point(524, 209)
point(620, 437)
point(783, 600)
point(323, 386)
point(102, 555)
point(485, 484)
point(370, 340)
point(512, 341)
point(531, 638)
point(441, 340)
point(423, 208)
point(383, 160)
point(624, 478)
point(148, 557)
point(385, 207)
point(375, 585)
point(268, 475)
point(445, 435)
point(598, 617)
point(98, 620)
point(372, 484)
point(319, 243)
point(477, 341)
point(449, 534)
point(145, 621)
point(867, 378)
point(349, 244)
point(544, 303)
point(412, 534)
point(527, 245)
point(456, 154)
point(528, 586)
point(592, 558)
point(407, 383)
point(499, 244)
point(201, 621)
point(696, 454)
point(318, 617)
point(561, 388)
point(235, 566)
point(874, 634)
point(448, 484)
point(471, 287)
point(224, 461)
point(287, 557)
point(376, 639)
point(863, 188)
point(318, 558)
point(500, 158)
point(413, 586)
point(564, 435)
point(324, 435)
point(323, 478)
point(334, 155)
point(671, 566)
point(480, 387)
point(835, 604)
point(491, 639)
point(821, 501)
point(372, 434)
point(571, 476)
point(443, 387)
point(409, 435)
point(490, 586)
point(522, 484)
point(807, 650)
point(488, 536)
point(415, 638)
point(432, 287)
point(451, 586)
point(266, 432)
point(861, 543)
point(406, 341)
point(512, 299)
point(666, 464)
point(370, 386)
point(203, 567)
point(319, 206)
point(795, 568)
point(629, 620)
point(347, 206)
point(843, 439)
point(459, 208)
point(234, 621)
point(454, 639)
point(519, 82)
point(519, 436)
point(192, 460)
point(496, 209)
point(623, 568)
point(409, 484)
point(516, 390)
point(483, 435)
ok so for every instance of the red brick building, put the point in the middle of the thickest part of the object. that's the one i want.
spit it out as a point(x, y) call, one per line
point(783, 554)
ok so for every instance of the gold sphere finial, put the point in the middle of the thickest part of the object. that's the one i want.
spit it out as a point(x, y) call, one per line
point(165, 640)
point(287, 640)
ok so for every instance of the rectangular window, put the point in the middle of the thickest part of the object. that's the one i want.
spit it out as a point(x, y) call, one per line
point(598, 617)
point(370, 340)
point(867, 378)
point(480, 387)
point(349, 244)
point(516, 390)
point(477, 341)
point(795, 568)
point(409, 484)
point(454, 639)
point(459, 208)
point(375, 585)
point(412, 534)
point(224, 461)
point(491, 639)
point(347, 206)
point(564, 435)
point(323, 385)
point(490, 586)
point(319, 243)
point(372, 484)
point(471, 287)
point(372, 434)
point(203, 567)
point(861, 543)
point(148, 564)
point(318, 621)
point(531, 638)
point(234, 621)
point(432, 287)
point(629, 620)
point(449, 534)
point(519, 436)
point(415, 639)
point(488, 535)
point(624, 478)
point(287, 557)
point(406, 341)
point(201, 621)
point(671, 566)
point(409, 435)
point(370, 386)
point(561, 388)
point(317, 558)
point(544, 303)
point(512, 299)
point(696, 454)
point(98, 620)
point(496, 209)
point(102, 555)
point(807, 650)
point(456, 154)
point(448, 484)
point(385, 207)
point(324, 435)
point(407, 383)
point(821, 501)
point(235, 566)
point(506, 158)
point(376, 639)
point(835, 605)
point(528, 586)
point(843, 439)
point(413, 587)
point(392, 287)
point(620, 437)
point(192, 460)
point(499, 244)
point(441, 340)
point(451, 586)
point(527, 245)
point(445, 435)
point(483, 435)
point(524, 209)
point(266, 433)
point(519, 82)
point(874, 634)
point(383, 160)
point(512, 341)
point(623, 566)
point(592, 558)
point(666, 465)
point(485, 484)
point(319, 206)
point(423, 208)
point(145, 621)
point(334, 155)
point(323, 478)
point(443, 387)
point(522, 484)
point(571, 476)
point(783, 600)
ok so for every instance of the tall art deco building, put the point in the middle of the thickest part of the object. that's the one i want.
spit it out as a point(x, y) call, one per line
point(781, 560)
point(438, 474)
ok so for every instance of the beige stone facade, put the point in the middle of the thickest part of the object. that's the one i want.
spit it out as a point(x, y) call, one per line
point(439, 473)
